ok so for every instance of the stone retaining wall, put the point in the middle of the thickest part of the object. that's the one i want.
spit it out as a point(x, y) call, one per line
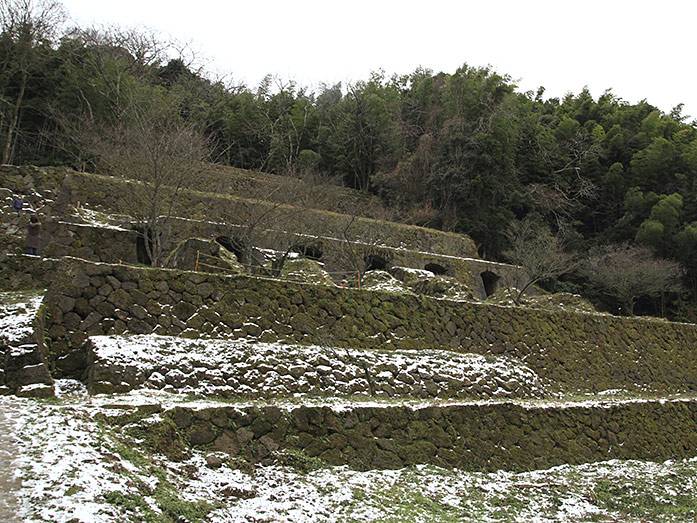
point(98, 244)
point(269, 370)
point(337, 259)
point(573, 351)
point(28, 179)
point(113, 244)
point(230, 180)
point(476, 437)
point(409, 246)
point(70, 187)
point(22, 272)
point(23, 369)
point(104, 192)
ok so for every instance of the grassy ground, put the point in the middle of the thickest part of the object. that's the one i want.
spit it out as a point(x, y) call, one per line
point(77, 468)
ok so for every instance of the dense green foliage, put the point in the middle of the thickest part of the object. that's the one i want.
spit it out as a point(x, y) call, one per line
point(463, 151)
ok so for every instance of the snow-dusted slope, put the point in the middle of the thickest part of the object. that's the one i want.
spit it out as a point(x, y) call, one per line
point(253, 369)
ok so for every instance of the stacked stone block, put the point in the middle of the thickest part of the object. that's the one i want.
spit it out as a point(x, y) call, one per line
point(484, 437)
point(571, 351)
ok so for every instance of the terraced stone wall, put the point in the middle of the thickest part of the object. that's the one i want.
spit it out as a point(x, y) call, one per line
point(28, 179)
point(336, 259)
point(481, 437)
point(231, 180)
point(571, 351)
point(409, 246)
point(98, 244)
point(21, 272)
point(105, 192)
point(237, 369)
point(113, 244)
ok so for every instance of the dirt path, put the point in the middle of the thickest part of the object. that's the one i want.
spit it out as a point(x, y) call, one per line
point(9, 484)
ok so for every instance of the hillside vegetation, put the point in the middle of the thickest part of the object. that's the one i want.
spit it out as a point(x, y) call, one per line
point(462, 151)
point(388, 301)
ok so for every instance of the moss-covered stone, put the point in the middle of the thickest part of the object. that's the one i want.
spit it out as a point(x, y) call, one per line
point(578, 352)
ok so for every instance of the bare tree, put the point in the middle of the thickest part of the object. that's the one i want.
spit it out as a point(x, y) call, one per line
point(361, 249)
point(275, 217)
point(27, 26)
point(160, 155)
point(627, 273)
point(539, 253)
point(116, 54)
point(560, 203)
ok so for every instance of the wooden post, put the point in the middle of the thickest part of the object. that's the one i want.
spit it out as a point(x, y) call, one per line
point(196, 266)
point(359, 278)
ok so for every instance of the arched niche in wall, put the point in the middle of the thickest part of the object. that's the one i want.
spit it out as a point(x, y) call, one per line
point(436, 269)
point(373, 262)
point(142, 255)
point(232, 245)
point(490, 281)
point(311, 251)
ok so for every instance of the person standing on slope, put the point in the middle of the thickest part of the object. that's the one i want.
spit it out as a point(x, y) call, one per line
point(33, 232)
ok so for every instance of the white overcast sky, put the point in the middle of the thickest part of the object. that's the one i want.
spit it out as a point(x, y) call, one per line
point(640, 49)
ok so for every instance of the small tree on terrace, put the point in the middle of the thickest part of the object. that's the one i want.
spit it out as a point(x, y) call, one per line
point(275, 215)
point(161, 155)
point(539, 253)
point(627, 273)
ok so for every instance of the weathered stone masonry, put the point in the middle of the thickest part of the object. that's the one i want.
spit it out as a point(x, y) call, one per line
point(483, 437)
point(571, 351)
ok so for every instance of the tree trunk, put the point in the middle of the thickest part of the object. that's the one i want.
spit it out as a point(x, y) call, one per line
point(630, 307)
point(12, 124)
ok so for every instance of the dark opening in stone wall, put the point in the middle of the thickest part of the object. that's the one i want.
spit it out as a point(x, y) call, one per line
point(232, 245)
point(490, 281)
point(142, 255)
point(311, 251)
point(373, 262)
point(436, 269)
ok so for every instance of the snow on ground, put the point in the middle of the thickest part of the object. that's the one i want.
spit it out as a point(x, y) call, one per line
point(383, 281)
point(144, 355)
point(75, 468)
point(169, 400)
point(17, 312)
point(93, 218)
point(62, 461)
point(9, 483)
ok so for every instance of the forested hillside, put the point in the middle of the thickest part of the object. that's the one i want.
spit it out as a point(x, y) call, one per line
point(463, 151)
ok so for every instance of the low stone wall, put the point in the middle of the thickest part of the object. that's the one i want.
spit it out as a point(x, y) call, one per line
point(572, 351)
point(22, 272)
point(476, 437)
point(98, 244)
point(270, 370)
point(23, 369)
